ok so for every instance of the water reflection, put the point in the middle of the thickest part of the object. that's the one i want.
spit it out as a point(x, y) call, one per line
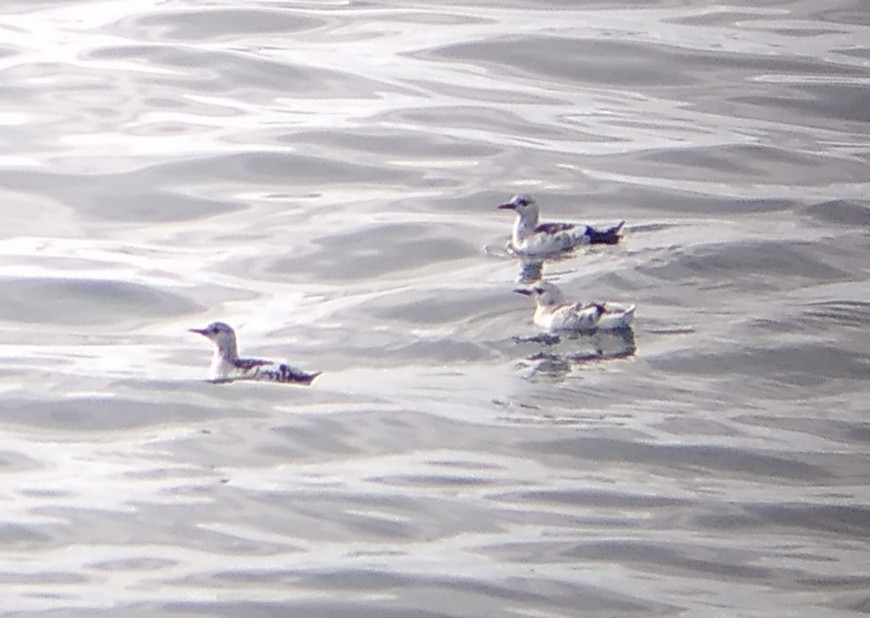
point(558, 355)
point(530, 271)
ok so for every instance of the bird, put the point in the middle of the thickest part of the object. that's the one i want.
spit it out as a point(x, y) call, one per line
point(226, 366)
point(531, 238)
point(555, 314)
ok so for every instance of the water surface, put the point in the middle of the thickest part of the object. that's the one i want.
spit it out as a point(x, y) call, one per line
point(324, 177)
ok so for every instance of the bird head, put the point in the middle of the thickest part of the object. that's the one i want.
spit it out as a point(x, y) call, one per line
point(222, 335)
point(546, 294)
point(520, 203)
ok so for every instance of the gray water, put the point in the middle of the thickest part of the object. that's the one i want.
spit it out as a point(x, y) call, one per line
point(324, 176)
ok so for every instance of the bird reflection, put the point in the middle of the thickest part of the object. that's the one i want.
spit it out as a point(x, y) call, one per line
point(530, 271)
point(559, 354)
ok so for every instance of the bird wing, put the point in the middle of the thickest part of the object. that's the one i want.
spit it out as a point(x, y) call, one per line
point(579, 316)
point(245, 364)
point(260, 369)
point(552, 228)
point(288, 373)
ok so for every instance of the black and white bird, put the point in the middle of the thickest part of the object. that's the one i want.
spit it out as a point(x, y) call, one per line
point(226, 366)
point(532, 238)
point(555, 314)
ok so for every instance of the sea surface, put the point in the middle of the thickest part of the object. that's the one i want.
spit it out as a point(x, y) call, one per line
point(324, 176)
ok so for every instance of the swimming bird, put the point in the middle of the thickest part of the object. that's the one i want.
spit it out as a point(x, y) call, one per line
point(533, 238)
point(554, 313)
point(226, 365)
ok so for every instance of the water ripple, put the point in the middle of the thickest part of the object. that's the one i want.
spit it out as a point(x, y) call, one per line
point(324, 176)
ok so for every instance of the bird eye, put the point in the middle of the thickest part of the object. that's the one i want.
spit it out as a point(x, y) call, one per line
point(539, 290)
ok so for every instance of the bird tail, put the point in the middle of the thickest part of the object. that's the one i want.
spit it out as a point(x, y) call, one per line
point(606, 236)
point(288, 373)
point(308, 378)
point(618, 317)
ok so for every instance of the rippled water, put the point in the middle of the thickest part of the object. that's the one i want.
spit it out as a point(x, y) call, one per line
point(324, 177)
